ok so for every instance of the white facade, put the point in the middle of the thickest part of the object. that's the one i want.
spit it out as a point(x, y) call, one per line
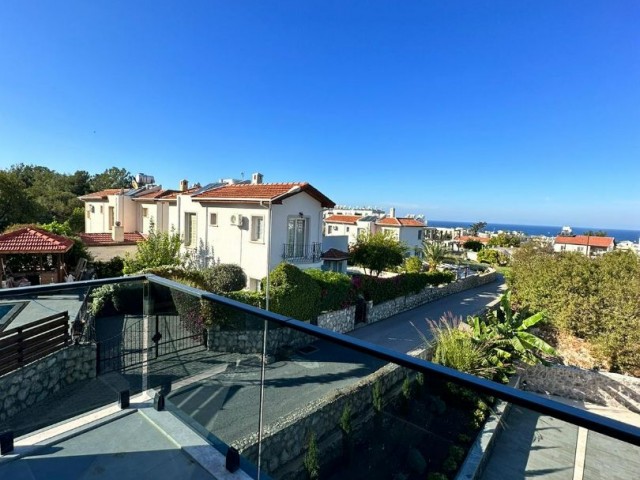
point(102, 214)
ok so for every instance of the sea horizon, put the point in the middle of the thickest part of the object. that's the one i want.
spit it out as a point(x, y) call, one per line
point(620, 234)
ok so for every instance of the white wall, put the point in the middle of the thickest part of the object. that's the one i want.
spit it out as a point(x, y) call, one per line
point(409, 235)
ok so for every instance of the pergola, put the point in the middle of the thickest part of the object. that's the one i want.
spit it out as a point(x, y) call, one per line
point(34, 241)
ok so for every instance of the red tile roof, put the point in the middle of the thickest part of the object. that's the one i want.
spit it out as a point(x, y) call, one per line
point(103, 239)
point(102, 194)
point(153, 194)
point(464, 239)
point(34, 240)
point(173, 194)
point(400, 222)
point(250, 193)
point(603, 242)
point(350, 219)
point(335, 254)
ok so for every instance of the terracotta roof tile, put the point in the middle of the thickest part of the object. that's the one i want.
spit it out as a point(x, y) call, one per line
point(262, 191)
point(350, 219)
point(173, 194)
point(102, 194)
point(400, 222)
point(104, 239)
point(464, 239)
point(155, 194)
point(34, 240)
point(603, 242)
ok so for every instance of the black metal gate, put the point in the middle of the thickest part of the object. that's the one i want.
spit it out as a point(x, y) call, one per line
point(361, 310)
point(165, 335)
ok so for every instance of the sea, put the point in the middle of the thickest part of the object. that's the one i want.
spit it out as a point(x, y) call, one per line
point(546, 230)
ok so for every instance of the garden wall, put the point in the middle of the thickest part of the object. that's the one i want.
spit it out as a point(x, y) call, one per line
point(384, 310)
point(284, 442)
point(36, 381)
point(250, 341)
point(340, 321)
point(602, 388)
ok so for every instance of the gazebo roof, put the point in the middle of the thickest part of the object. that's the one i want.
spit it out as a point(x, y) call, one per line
point(33, 240)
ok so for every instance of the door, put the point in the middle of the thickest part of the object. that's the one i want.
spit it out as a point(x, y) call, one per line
point(296, 237)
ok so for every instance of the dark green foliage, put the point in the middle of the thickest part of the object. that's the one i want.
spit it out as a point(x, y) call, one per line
point(380, 290)
point(109, 269)
point(457, 453)
point(593, 298)
point(122, 298)
point(311, 459)
point(293, 293)
point(376, 392)
point(437, 476)
point(336, 290)
point(450, 465)
point(223, 278)
point(378, 252)
point(474, 245)
point(416, 461)
point(412, 265)
point(159, 249)
point(345, 419)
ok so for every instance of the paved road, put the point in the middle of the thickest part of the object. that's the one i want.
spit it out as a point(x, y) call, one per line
point(227, 403)
point(404, 332)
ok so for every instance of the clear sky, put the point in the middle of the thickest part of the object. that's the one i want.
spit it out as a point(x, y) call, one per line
point(503, 111)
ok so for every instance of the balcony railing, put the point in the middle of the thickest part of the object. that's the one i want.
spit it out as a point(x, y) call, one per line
point(302, 253)
point(276, 388)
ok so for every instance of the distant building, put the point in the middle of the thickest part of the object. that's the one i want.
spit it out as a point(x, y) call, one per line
point(586, 244)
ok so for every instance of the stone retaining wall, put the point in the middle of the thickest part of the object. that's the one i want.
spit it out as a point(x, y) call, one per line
point(35, 382)
point(384, 310)
point(341, 321)
point(250, 341)
point(284, 442)
point(602, 388)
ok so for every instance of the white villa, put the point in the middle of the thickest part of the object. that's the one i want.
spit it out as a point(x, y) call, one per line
point(249, 223)
point(586, 244)
point(409, 230)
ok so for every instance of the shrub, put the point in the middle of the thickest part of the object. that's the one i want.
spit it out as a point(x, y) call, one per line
point(336, 290)
point(223, 278)
point(345, 419)
point(293, 293)
point(109, 269)
point(376, 392)
point(457, 453)
point(380, 290)
point(123, 298)
point(311, 460)
point(474, 245)
point(412, 265)
point(493, 257)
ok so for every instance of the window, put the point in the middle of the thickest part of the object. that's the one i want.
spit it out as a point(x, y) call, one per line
point(213, 219)
point(328, 229)
point(347, 229)
point(254, 284)
point(296, 237)
point(145, 212)
point(190, 230)
point(257, 229)
point(101, 209)
point(112, 217)
point(419, 234)
point(88, 213)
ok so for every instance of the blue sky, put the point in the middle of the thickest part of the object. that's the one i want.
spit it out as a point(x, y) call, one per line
point(503, 111)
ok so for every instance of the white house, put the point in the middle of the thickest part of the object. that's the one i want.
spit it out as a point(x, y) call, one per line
point(586, 244)
point(409, 230)
point(249, 223)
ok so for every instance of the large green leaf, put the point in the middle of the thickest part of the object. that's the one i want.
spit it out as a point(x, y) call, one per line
point(537, 343)
point(531, 321)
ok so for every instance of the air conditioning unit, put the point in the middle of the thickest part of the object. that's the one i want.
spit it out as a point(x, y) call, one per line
point(236, 219)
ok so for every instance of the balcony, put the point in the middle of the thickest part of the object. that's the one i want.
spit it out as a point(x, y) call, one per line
point(147, 391)
point(302, 253)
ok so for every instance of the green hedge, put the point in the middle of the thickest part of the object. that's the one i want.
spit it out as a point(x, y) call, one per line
point(380, 290)
point(336, 289)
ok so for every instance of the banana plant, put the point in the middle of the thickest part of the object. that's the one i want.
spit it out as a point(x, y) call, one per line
point(508, 332)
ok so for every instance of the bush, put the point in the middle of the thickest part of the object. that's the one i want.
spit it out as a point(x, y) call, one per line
point(336, 290)
point(109, 269)
point(412, 265)
point(492, 257)
point(474, 245)
point(311, 460)
point(122, 298)
point(380, 290)
point(293, 293)
point(223, 278)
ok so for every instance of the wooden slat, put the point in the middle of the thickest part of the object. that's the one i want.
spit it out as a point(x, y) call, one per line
point(61, 315)
point(22, 336)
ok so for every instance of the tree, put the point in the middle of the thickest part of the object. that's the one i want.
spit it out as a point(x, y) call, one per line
point(111, 178)
point(596, 233)
point(378, 252)
point(434, 253)
point(504, 240)
point(157, 250)
point(15, 205)
point(473, 245)
point(474, 228)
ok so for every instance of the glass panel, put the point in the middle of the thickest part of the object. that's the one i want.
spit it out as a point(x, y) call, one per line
point(208, 359)
point(66, 352)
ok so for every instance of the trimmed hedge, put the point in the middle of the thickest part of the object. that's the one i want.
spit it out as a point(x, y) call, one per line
point(336, 289)
point(380, 290)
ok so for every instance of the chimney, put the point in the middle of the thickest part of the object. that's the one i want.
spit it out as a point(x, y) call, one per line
point(256, 178)
point(184, 185)
point(392, 212)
